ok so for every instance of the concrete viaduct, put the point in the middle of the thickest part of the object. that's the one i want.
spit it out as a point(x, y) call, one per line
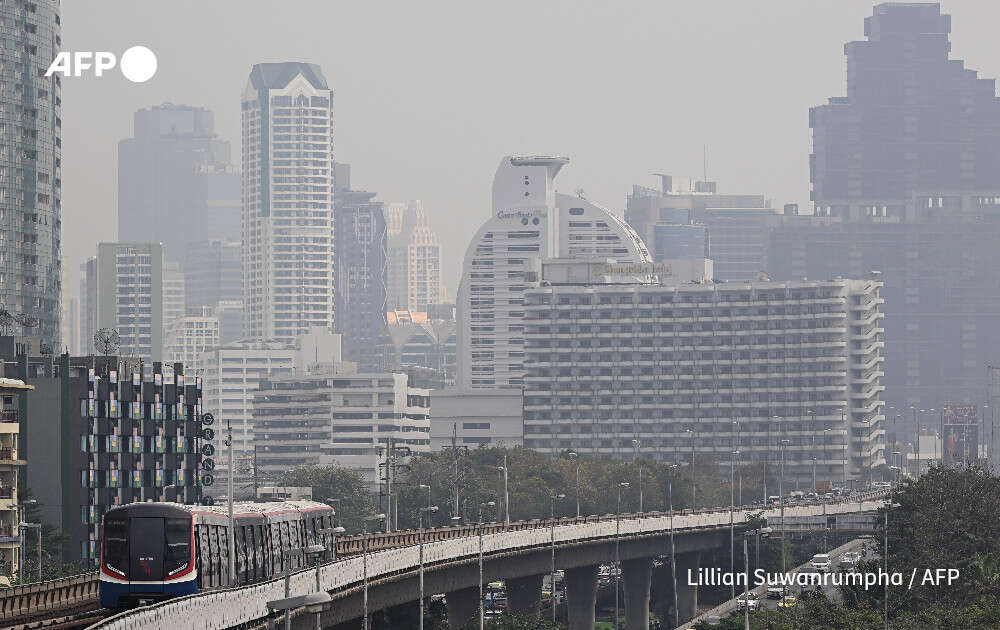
point(520, 557)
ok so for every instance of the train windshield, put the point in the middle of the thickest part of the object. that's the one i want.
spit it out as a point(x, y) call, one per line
point(177, 556)
point(116, 556)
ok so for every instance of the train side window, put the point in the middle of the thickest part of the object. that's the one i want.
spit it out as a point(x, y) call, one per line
point(226, 579)
point(204, 557)
point(213, 550)
point(241, 555)
point(277, 558)
point(263, 534)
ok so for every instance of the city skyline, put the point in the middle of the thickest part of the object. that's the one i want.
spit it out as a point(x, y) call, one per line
point(757, 145)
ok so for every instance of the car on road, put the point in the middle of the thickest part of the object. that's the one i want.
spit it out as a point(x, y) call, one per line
point(788, 601)
point(821, 562)
point(775, 592)
point(748, 600)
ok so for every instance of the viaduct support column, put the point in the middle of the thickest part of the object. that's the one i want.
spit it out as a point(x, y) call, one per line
point(581, 597)
point(638, 575)
point(687, 596)
point(463, 607)
point(524, 595)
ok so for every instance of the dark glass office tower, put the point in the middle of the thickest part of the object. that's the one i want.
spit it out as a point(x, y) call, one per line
point(361, 276)
point(906, 181)
point(913, 119)
point(176, 184)
point(30, 170)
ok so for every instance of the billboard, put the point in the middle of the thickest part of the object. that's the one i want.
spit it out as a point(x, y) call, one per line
point(960, 433)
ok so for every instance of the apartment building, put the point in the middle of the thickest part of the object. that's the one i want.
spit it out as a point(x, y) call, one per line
point(11, 463)
point(759, 367)
point(332, 416)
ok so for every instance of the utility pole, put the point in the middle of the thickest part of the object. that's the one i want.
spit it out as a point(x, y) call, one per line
point(229, 494)
point(456, 473)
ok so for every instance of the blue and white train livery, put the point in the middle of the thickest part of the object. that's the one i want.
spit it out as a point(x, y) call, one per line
point(154, 551)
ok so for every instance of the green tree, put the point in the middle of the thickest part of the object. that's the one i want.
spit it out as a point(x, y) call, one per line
point(336, 482)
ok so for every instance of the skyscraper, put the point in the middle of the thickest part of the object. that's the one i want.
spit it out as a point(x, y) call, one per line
point(361, 267)
point(913, 120)
point(31, 169)
point(212, 273)
point(906, 180)
point(530, 221)
point(288, 196)
point(414, 259)
point(175, 180)
point(685, 216)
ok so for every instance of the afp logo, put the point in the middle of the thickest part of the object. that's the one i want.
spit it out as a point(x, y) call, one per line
point(138, 64)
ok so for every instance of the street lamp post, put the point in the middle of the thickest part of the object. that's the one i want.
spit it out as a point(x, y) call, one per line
point(618, 522)
point(20, 556)
point(506, 495)
point(694, 488)
point(636, 444)
point(746, 572)
point(426, 487)
point(781, 501)
point(482, 611)
point(673, 560)
point(885, 559)
point(364, 560)
point(420, 539)
point(36, 526)
point(552, 541)
point(732, 527)
point(576, 457)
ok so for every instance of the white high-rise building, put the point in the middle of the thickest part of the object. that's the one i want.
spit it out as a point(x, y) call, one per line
point(414, 259)
point(288, 188)
point(188, 337)
point(173, 295)
point(530, 220)
point(230, 376)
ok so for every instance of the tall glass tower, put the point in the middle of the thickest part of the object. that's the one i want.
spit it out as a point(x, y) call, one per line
point(30, 172)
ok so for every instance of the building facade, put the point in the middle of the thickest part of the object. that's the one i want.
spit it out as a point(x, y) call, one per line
point(123, 289)
point(338, 417)
point(31, 169)
point(709, 368)
point(735, 227)
point(414, 259)
point(905, 171)
point(212, 273)
point(105, 431)
point(176, 183)
point(231, 374)
point(288, 197)
point(360, 277)
point(173, 294)
point(189, 337)
point(913, 119)
point(417, 340)
point(474, 417)
point(530, 221)
point(11, 464)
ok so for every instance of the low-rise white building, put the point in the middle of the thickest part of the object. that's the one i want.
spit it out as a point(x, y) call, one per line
point(476, 416)
point(339, 417)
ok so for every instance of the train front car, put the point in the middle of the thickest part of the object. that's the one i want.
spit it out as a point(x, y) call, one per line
point(147, 554)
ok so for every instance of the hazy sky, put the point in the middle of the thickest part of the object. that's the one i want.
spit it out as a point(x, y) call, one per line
point(430, 95)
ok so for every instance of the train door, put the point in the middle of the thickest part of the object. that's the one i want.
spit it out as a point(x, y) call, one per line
point(146, 537)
